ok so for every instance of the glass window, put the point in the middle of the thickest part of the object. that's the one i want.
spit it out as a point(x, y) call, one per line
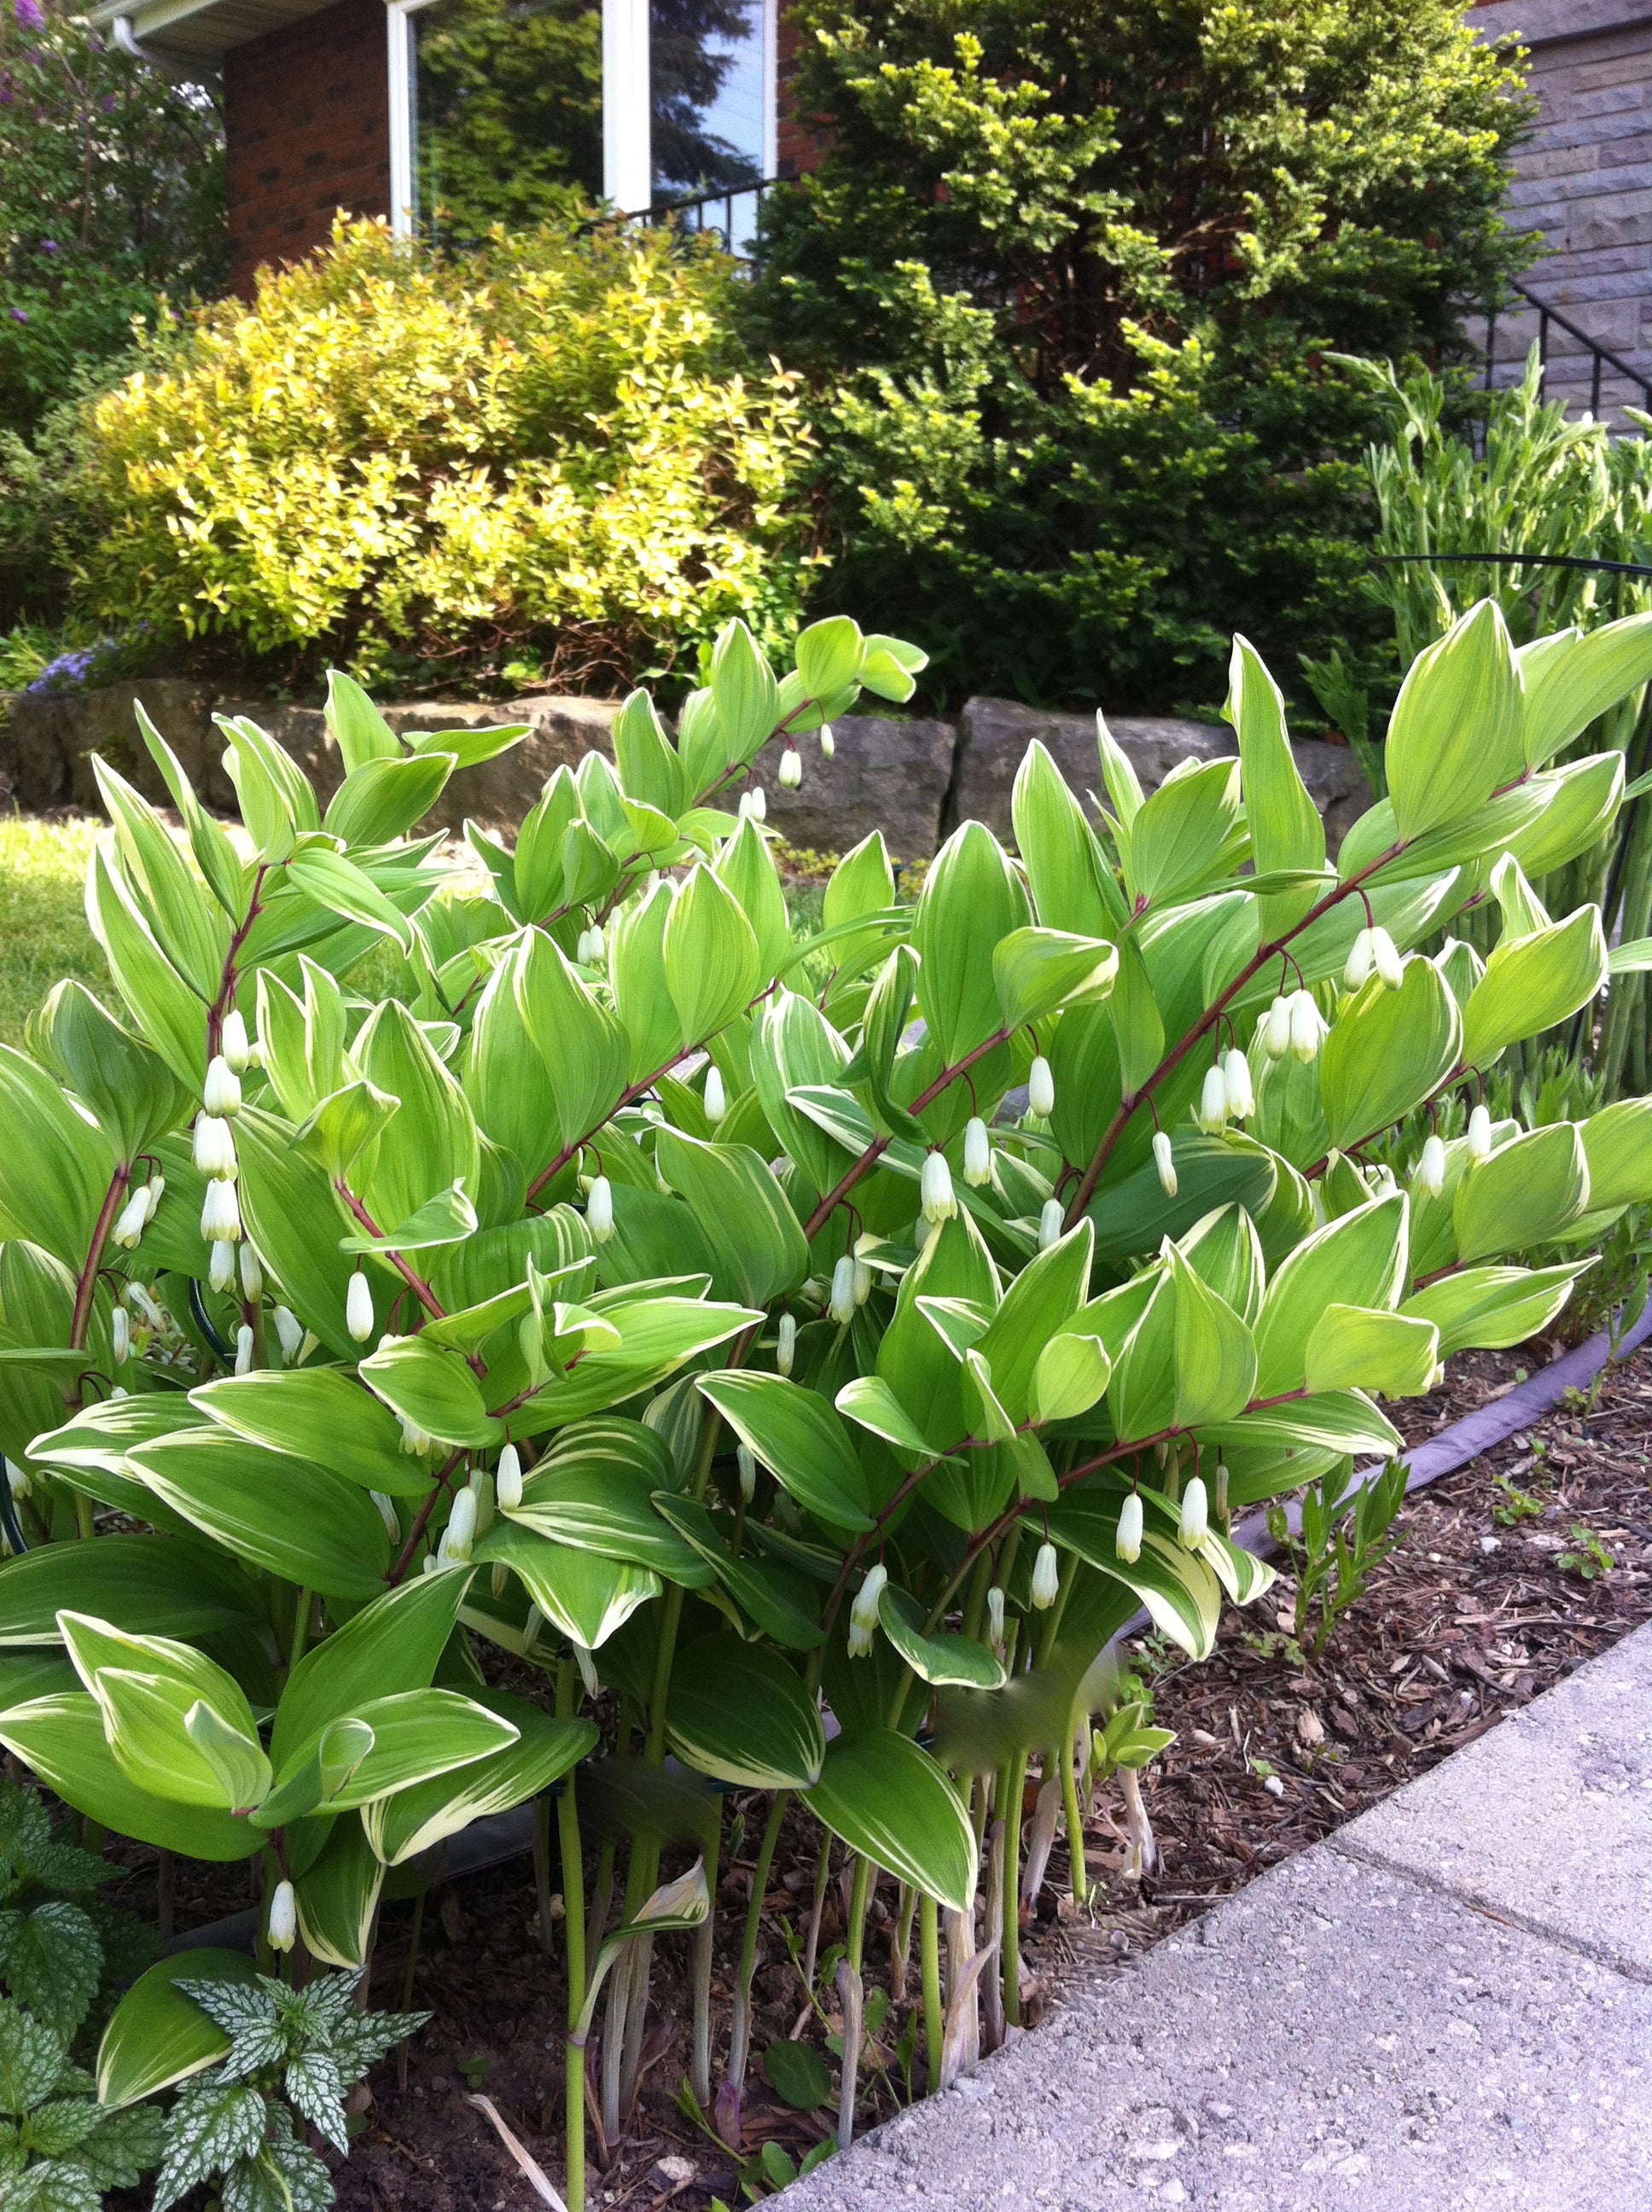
point(507, 113)
point(709, 90)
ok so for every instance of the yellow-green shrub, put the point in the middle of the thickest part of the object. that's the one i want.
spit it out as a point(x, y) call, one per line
point(554, 445)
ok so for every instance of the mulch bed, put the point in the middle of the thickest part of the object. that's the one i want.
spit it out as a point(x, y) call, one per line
point(1471, 1615)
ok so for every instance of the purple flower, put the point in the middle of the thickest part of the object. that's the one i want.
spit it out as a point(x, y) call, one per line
point(20, 314)
point(28, 15)
point(107, 103)
point(50, 245)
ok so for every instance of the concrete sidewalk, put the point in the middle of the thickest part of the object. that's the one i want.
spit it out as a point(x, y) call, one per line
point(1448, 2006)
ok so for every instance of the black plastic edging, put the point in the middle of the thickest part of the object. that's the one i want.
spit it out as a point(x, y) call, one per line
point(505, 1835)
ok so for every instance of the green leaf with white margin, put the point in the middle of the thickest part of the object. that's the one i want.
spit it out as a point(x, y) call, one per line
point(1580, 680)
point(1286, 830)
point(397, 1641)
point(869, 1400)
point(1632, 958)
point(432, 1389)
point(55, 1167)
point(383, 799)
point(295, 1221)
point(759, 1593)
point(756, 1238)
point(400, 1828)
point(447, 1219)
point(582, 1595)
point(1073, 886)
point(414, 1735)
point(746, 867)
point(358, 729)
point(1358, 1260)
point(149, 1583)
point(799, 1438)
point(1582, 799)
point(793, 1046)
point(60, 1738)
point(1034, 971)
point(1072, 1375)
point(939, 1657)
point(738, 1713)
point(1189, 832)
point(1493, 1308)
point(1531, 983)
point(1387, 1051)
point(169, 1011)
point(890, 1800)
point(1039, 1302)
point(158, 2036)
point(131, 1093)
point(713, 967)
point(603, 1504)
point(340, 887)
point(1456, 733)
point(1618, 1145)
point(288, 1516)
point(1215, 1352)
point(1354, 1347)
point(972, 899)
point(337, 1895)
point(319, 1413)
point(585, 1050)
point(470, 746)
point(1343, 1421)
point(1527, 1193)
point(988, 1421)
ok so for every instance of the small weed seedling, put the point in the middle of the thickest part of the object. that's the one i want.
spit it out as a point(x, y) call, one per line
point(1344, 1539)
point(1590, 1559)
point(1515, 1505)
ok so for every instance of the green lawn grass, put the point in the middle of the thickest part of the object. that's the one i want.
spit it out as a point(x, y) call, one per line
point(43, 929)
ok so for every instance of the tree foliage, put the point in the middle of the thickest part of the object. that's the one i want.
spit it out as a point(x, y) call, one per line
point(1065, 281)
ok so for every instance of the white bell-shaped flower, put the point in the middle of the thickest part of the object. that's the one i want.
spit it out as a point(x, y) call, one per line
point(1307, 1027)
point(791, 774)
point(935, 1193)
point(154, 1191)
point(1195, 1515)
point(358, 1308)
point(221, 1092)
point(1479, 1134)
point(600, 1210)
point(251, 1275)
point(221, 1214)
point(215, 1146)
point(1164, 1161)
point(507, 1479)
point(1128, 1543)
point(1050, 1224)
point(745, 1461)
point(233, 1041)
point(1040, 1088)
point(1046, 1577)
point(1428, 1175)
point(243, 1349)
point(460, 1531)
point(1385, 958)
point(290, 1331)
point(283, 1930)
point(1359, 962)
point(841, 1305)
point(716, 1100)
point(221, 1266)
point(1276, 1029)
point(132, 1221)
point(754, 807)
point(862, 1282)
point(828, 742)
point(388, 1514)
point(977, 1153)
point(995, 1617)
point(786, 1344)
point(1213, 1103)
point(120, 1335)
point(863, 1613)
point(1235, 1076)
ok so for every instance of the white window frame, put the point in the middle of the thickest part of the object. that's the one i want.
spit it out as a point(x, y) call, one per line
point(627, 148)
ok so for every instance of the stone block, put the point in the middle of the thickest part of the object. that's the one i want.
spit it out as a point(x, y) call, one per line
point(885, 774)
point(46, 747)
point(994, 733)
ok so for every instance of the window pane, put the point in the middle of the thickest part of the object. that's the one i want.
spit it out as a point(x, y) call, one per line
point(707, 95)
point(507, 112)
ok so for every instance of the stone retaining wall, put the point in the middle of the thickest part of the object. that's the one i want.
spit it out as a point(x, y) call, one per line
point(914, 779)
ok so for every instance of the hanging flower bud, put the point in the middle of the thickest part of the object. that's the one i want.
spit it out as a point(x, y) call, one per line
point(243, 1349)
point(387, 1514)
point(600, 1210)
point(785, 1347)
point(507, 1479)
point(1046, 1577)
point(120, 1335)
point(582, 953)
point(234, 1046)
point(1213, 1103)
point(415, 1442)
point(283, 1917)
point(222, 1091)
point(1385, 958)
point(1276, 1029)
point(1235, 1075)
point(1479, 1134)
point(745, 1460)
point(254, 1052)
point(290, 1331)
point(358, 1308)
point(995, 1617)
point(221, 1267)
point(251, 1275)
point(791, 773)
point(154, 1190)
point(215, 1146)
point(134, 1218)
point(1050, 1224)
point(842, 1308)
point(1040, 1088)
point(1306, 1028)
point(149, 1312)
point(977, 1153)
point(863, 1613)
point(431, 1563)
point(935, 1188)
point(1128, 1543)
point(716, 1100)
point(1359, 962)
point(1195, 1515)
point(754, 807)
point(828, 742)
point(221, 1214)
point(862, 1282)
point(1164, 1161)
point(461, 1525)
point(1429, 1174)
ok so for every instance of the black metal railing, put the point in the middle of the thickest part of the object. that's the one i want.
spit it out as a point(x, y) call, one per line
point(738, 205)
point(1601, 359)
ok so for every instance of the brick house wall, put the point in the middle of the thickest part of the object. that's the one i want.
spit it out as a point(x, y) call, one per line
point(1583, 181)
point(799, 141)
point(307, 123)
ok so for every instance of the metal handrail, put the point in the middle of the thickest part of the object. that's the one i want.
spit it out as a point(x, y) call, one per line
point(1600, 357)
